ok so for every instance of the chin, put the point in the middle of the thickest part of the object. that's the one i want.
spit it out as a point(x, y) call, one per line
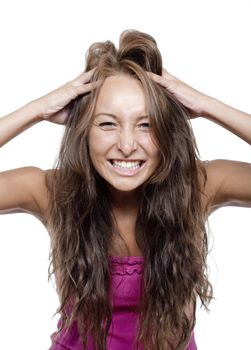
point(123, 188)
point(124, 185)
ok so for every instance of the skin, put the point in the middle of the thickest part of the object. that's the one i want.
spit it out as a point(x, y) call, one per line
point(24, 190)
point(123, 129)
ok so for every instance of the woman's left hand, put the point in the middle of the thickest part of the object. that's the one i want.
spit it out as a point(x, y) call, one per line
point(191, 98)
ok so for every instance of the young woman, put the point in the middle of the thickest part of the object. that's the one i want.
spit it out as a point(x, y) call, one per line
point(127, 202)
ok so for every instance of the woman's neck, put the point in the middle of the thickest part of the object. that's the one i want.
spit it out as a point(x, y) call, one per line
point(125, 201)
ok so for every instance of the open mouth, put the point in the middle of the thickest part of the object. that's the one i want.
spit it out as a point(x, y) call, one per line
point(127, 165)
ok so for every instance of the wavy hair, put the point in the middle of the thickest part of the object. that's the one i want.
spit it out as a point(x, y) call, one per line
point(170, 227)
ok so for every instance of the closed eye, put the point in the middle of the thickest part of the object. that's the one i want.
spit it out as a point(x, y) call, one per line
point(145, 125)
point(111, 124)
point(107, 124)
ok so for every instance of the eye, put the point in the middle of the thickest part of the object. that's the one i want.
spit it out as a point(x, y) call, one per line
point(145, 125)
point(107, 124)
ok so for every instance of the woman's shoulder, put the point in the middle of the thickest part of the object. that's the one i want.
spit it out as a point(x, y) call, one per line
point(209, 176)
point(228, 182)
point(41, 179)
point(24, 190)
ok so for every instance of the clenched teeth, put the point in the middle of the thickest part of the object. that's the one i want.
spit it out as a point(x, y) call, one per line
point(126, 165)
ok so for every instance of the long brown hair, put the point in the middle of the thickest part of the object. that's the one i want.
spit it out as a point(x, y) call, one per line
point(170, 227)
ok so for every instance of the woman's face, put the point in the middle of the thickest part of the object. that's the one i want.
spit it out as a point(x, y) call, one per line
point(121, 143)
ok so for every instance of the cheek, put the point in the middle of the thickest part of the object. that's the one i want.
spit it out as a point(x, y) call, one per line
point(150, 145)
point(99, 144)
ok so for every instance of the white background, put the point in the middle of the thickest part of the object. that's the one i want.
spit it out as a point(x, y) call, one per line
point(43, 45)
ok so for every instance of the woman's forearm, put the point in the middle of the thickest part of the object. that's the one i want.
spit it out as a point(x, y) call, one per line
point(14, 123)
point(230, 118)
point(54, 107)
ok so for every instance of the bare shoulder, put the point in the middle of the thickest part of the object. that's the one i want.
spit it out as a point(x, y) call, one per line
point(228, 183)
point(24, 190)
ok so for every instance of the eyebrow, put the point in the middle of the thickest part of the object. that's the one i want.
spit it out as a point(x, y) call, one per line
point(117, 118)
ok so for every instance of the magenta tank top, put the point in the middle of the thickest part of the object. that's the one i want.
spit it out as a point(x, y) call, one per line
point(125, 292)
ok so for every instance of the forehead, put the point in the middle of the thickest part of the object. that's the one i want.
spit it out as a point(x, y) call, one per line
point(121, 93)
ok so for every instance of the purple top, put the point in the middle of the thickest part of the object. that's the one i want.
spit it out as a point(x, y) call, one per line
point(126, 290)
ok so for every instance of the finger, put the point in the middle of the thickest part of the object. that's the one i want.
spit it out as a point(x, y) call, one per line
point(85, 77)
point(82, 89)
point(158, 79)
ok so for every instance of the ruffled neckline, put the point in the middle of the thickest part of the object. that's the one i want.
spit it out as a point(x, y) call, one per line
point(126, 258)
point(126, 265)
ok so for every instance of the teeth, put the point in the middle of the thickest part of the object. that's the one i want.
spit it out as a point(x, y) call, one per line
point(126, 165)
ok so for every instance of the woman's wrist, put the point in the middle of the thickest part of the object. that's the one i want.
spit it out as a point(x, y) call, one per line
point(35, 110)
point(209, 106)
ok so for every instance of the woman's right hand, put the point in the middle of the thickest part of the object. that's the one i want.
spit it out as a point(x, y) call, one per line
point(55, 106)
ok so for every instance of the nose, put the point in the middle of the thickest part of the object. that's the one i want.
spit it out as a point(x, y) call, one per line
point(127, 142)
